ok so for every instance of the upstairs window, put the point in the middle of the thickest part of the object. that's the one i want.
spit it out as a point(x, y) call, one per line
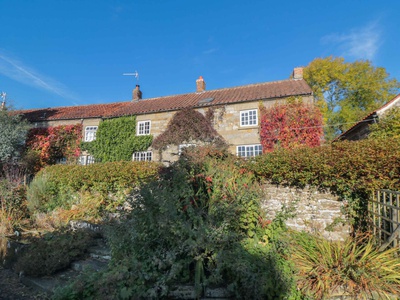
point(90, 133)
point(249, 150)
point(143, 127)
point(143, 156)
point(248, 117)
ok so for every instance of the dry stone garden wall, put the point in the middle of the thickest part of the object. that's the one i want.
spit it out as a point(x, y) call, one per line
point(313, 211)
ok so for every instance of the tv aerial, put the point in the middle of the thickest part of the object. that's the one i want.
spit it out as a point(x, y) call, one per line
point(135, 74)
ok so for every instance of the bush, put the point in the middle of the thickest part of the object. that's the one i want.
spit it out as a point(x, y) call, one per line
point(354, 266)
point(63, 185)
point(352, 170)
point(199, 225)
point(54, 252)
point(13, 206)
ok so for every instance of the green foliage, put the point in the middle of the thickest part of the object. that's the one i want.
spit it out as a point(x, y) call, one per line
point(388, 125)
point(13, 131)
point(116, 140)
point(350, 169)
point(290, 125)
point(186, 126)
point(40, 194)
point(56, 251)
point(198, 225)
point(354, 266)
point(56, 186)
point(347, 92)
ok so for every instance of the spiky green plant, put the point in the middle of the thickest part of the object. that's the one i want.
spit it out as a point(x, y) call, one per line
point(354, 266)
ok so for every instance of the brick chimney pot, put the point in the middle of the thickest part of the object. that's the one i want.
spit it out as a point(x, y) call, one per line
point(200, 85)
point(136, 93)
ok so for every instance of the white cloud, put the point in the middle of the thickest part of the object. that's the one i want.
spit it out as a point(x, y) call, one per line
point(359, 43)
point(17, 71)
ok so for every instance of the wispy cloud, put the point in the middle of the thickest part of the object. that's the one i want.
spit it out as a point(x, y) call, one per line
point(20, 72)
point(209, 51)
point(359, 43)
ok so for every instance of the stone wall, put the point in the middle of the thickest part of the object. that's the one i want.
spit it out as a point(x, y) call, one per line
point(313, 211)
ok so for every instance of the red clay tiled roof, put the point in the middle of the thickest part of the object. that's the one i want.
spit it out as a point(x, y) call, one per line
point(253, 92)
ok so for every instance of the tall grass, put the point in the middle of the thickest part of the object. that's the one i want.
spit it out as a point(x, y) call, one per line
point(354, 266)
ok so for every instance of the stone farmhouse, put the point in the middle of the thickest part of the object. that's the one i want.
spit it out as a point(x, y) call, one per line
point(360, 130)
point(236, 113)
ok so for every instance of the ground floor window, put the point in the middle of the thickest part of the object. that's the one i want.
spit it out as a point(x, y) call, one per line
point(248, 150)
point(86, 160)
point(143, 156)
point(61, 161)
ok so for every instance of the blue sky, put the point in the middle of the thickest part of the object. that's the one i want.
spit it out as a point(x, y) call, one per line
point(62, 53)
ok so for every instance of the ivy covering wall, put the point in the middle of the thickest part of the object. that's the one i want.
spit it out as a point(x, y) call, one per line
point(290, 125)
point(116, 140)
point(53, 143)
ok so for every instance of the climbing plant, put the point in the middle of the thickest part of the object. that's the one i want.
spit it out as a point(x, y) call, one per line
point(116, 140)
point(290, 125)
point(53, 143)
point(189, 125)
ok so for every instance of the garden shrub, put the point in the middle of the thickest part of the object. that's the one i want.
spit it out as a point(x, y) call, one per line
point(189, 228)
point(60, 185)
point(354, 266)
point(13, 206)
point(54, 252)
point(352, 170)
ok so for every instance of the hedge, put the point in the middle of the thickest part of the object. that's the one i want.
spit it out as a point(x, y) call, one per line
point(342, 167)
point(104, 178)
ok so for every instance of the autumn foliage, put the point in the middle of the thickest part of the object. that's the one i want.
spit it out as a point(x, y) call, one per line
point(290, 125)
point(189, 125)
point(53, 143)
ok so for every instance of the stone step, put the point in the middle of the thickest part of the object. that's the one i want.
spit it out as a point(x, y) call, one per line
point(90, 263)
point(100, 252)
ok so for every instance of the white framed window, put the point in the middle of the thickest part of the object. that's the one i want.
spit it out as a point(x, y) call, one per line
point(61, 161)
point(143, 127)
point(85, 160)
point(248, 117)
point(248, 150)
point(183, 146)
point(143, 156)
point(90, 133)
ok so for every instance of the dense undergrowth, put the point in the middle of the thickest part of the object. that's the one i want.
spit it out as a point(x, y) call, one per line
point(200, 223)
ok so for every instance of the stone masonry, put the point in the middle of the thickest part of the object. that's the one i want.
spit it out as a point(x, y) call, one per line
point(313, 211)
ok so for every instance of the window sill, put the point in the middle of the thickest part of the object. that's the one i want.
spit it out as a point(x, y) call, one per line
point(248, 127)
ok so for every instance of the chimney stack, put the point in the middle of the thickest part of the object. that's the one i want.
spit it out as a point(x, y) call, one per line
point(200, 85)
point(298, 73)
point(136, 93)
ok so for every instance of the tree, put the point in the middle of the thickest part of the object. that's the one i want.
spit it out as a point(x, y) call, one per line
point(388, 125)
point(13, 131)
point(347, 92)
point(290, 125)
